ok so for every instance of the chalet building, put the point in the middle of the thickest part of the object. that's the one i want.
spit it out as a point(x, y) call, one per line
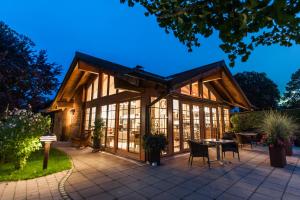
point(193, 104)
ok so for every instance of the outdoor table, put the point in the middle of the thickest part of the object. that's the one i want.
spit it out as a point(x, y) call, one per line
point(250, 135)
point(218, 143)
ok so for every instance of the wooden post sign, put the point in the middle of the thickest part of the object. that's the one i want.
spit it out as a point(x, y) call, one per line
point(47, 139)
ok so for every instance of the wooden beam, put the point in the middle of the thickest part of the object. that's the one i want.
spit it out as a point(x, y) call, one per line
point(213, 77)
point(83, 66)
point(227, 93)
point(64, 104)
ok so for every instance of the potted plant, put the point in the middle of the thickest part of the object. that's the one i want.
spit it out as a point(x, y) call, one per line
point(153, 144)
point(279, 129)
point(97, 134)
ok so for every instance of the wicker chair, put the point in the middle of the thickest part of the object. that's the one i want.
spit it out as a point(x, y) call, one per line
point(198, 150)
point(83, 140)
point(232, 147)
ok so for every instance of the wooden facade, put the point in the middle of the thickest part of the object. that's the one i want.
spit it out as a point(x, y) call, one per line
point(190, 105)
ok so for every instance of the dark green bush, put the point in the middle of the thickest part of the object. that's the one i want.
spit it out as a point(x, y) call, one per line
point(154, 141)
point(97, 134)
point(246, 121)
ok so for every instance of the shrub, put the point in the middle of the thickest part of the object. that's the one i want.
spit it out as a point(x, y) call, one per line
point(19, 135)
point(97, 133)
point(246, 121)
point(154, 142)
point(278, 126)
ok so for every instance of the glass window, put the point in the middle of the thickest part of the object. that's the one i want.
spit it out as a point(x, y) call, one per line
point(207, 122)
point(89, 93)
point(104, 85)
point(135, 126)
point(104, 118)
point(123, 125)
point(212, 96)
point(196, 122)
point(112, 89)
point(186, 124)
point(87, 119)
point(205, 91)
point(176, 133)
point(95, 88)
point(214, 122)
point(226, 119)
point(159, 117)
point(186, 89)
point(220, 122)
point(111, 119)
point(195, 89)
point(93, 116)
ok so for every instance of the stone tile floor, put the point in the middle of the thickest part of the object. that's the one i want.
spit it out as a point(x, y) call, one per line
point(105, 176)
point(40, 188)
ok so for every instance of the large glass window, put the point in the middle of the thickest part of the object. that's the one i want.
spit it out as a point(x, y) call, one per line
point(212, 96)
point(207, 122)
point(226, 119)
point(104, 85)
point(196, 122)
point(135, 126)
point(87, 119)
point(95, 88)
point(205, 91)
point(104, 118)
point(186, 124)
point(176, 133)
point(89, 92)
point(123, 125)
point(214, 122)
point(186, 89)
point(111, 119)
point(112, 89)
point(195, 89)
point(220, 130)
point(93, 117)
point(159, 117)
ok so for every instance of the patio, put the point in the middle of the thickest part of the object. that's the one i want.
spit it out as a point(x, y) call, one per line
point(105, 176)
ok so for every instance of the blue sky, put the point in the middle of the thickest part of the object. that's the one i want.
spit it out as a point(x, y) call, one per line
point(113, 31)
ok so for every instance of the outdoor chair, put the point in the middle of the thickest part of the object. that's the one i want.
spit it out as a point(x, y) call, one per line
point(83, 140)
point(198, 150)
point(242, 140)
point(232, 147)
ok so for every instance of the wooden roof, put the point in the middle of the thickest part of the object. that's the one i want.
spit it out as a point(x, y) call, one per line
point(217, 74)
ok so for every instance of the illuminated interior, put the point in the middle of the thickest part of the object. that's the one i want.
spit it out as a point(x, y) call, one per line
point(176, 133)
point(207, 122)
point(196, 122)
point(159, 117)
point(186, 124)
point(214, 122)
point(195, 89)
point(104, 85)
point(205, 91)
point(226, 119)
point(186, 89)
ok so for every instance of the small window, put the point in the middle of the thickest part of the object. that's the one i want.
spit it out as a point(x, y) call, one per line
point(95, 89)
point(112, 89)
point(104, 85)
point(205, 92)
point(212, 96)
point(195, 90)
point(186, 89)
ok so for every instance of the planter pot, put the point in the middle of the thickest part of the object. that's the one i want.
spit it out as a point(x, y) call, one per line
point(277, 156)
point(154, 156)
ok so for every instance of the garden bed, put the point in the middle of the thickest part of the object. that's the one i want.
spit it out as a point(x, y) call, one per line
point(58, 161)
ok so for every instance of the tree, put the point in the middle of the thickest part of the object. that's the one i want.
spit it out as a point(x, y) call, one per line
point(26, 77)
point(241, 25)
point(260, 90)
point(291, 98)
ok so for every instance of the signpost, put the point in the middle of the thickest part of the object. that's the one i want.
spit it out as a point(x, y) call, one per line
point(48, 139)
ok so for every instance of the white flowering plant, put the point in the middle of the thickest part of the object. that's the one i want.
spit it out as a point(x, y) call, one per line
point(20, 131)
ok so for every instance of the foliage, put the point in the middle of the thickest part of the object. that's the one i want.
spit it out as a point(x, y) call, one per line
point(154, 141)
point(97, 133)
point(278, 127)
point(246, 121)
point(291, 96)
point(241, 25)
point(58, 161)
point(26, 77)
point(261, 91)
point(19, 135)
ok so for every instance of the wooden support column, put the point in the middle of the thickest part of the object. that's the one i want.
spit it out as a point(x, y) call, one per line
point(145, 120)
point(170, 125)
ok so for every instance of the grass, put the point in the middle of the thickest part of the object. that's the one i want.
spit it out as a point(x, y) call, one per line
point(58, 161)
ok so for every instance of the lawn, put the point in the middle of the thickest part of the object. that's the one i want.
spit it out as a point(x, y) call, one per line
point(58, 161)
